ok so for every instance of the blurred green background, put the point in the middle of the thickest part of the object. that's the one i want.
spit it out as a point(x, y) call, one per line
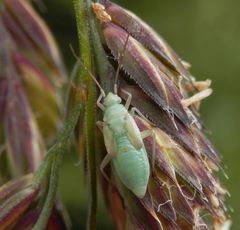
point(204, 32)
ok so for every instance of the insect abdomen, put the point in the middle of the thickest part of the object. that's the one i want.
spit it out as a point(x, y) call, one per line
point(131, 165)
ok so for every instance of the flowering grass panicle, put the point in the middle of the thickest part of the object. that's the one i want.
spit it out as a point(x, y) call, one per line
point(183, 190)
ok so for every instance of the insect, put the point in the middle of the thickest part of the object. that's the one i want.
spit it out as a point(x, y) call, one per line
point(123, 139)
point(124, 142)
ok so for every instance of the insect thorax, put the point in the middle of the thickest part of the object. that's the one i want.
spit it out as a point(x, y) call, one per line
point(115, 117)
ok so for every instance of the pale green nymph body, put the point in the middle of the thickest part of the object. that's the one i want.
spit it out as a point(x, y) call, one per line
point(124, 144)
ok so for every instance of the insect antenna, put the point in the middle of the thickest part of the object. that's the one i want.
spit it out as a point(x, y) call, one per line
point(88, 71)
point(120, 59)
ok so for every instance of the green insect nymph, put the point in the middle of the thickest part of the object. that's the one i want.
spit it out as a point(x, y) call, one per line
point(123, 140)
point(124, 144)
point(122, 137)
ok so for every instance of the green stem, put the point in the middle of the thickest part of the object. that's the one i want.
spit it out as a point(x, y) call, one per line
point(104, 68)
point(83, 18)
point(51, 195)
point(90, 127)
point(52, 164)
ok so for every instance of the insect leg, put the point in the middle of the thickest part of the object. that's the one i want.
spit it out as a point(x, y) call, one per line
point(134, 111)
point(99, 104)
point(109, 144)
point(151, 133)
point(129, 98)
point(100, 125)
point(104, 163)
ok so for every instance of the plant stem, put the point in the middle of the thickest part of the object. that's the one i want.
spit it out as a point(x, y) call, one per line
point(83, 17)
point(52, 163)
point(104, 68)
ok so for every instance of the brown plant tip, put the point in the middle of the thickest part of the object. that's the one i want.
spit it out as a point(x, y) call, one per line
point(138, 63)
point(33, 37)
point(34, 26)
point(13, 186)
point(146, 35)
point(17, 109)
point(27, 221)
point(18, 206)
point(15, 198)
